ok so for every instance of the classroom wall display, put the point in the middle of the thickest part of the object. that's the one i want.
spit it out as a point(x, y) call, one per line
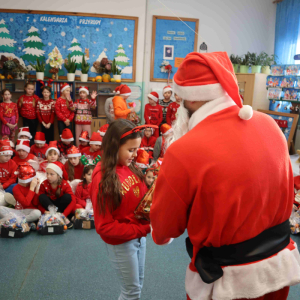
point(27, 35)
point(172, 40)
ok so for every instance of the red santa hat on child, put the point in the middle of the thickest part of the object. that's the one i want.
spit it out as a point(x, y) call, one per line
point(142, 160)
point(84, 136)
point(56, 167)
point(5, 138)
point(23, 145)
point(154, 96)
point(73, 152)
point(208, 76)
point(167, 89)
point(25, 172)
point(24, 131)
point(64, 86)
point(122, 90)
point(84, 89)
point(40, 138)
point(103, 129)
point(96, 139)
point(5, 148)
point(67, 135)
point(166, 129)
point(52, 146)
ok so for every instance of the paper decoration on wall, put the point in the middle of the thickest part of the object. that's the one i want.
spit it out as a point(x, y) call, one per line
point(6, 40)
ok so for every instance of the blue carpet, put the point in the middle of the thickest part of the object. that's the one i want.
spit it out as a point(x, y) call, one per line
point(75, 266)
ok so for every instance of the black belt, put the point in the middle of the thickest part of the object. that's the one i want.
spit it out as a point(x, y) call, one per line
point(209, 260)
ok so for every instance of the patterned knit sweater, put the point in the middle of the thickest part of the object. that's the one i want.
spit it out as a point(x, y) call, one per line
point(83, 111)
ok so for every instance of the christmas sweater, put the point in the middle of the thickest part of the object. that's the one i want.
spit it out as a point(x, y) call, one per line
point(18, 160)
point(82, 193)
point(90, 155)
point(83, 115)
point(27, 198)
point(7, 173)
point(153, 114)
point(120, 226)
point(164, 106)
point(120, 108)
point(7, 110)
point(62, 111)
point(148, 144)
point(45, 111)
point(171, 113)
point(27, 109)
point(63, 148)
point(39, 152)
point(225, 176)
point(81, 147)
point(45, 188)
point(78, 170)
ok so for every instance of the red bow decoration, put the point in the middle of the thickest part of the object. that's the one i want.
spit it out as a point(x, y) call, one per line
point(168, 67)
point(43, 83)
point(137, 129)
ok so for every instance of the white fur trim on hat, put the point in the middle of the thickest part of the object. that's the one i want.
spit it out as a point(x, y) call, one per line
point(83, 140)
point(127, 94)
point(167, 132)
point(65, 87)
point(96, 143)
point(7, 152)
point(52, 148)
point(199, 92)
point(55, 168)
point(67, 140)
point(152, 97)
point(84, 89)
point(101, 133)
point(26, 180)
point(23, 147)
point(39, 142)
point(246, 112)
point(143, 166)
point(74, 155)
point(26, 133)
point(167, 89)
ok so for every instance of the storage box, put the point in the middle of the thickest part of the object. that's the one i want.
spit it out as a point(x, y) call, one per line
point(84, 224)
point(52, 230)
point(12, 233)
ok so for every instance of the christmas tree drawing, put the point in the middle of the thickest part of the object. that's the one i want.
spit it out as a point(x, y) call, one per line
point(121, 58)
point(76, 53)
point(33, 46)
point(6, 41)
point(55, 60)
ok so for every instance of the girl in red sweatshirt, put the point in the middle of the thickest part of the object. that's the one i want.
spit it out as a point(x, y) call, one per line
point(27, 108)
point(56, 191)
point(74, 166)
point(117, 188)
point(172, 110)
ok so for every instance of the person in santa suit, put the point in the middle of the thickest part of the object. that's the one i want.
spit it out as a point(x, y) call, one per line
point(160, 144)
point(40, 147)
point(229, 188)
point(148, 141)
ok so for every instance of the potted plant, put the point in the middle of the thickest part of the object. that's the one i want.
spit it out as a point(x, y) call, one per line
point(245, 62)
point(71, 68)
point(84, 70)
point(267, 61)
point(255, 62)
point(116, 71)
point(40, 69)
point(235, 60)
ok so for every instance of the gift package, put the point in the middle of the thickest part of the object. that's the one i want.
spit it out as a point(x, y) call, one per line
point(295, 221)
point(133, 117)
point(84, 217)
point(274, 93)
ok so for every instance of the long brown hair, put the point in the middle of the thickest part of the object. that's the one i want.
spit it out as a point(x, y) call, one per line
point(85, 171)
point(71, 170)
point(58, 191)
point(109, 195)
point(33, 100)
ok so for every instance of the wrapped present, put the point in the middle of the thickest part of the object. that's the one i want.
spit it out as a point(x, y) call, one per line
point(84, 217)
point(133, 117)
point(295, 222)
point(143, 209)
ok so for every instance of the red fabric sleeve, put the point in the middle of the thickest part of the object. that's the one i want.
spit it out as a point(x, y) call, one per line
point(25, 201)
point(13, 177)
point(16, 114)
point(160, 116)
point(146, 115)
point(58, 112)
point(37, 99)
point(169, 114)
point(78, 195)
point(18, 107)
point(65, 173)
point(2, 115)
point(93, 103)
point(38, 113)
point(52, 113)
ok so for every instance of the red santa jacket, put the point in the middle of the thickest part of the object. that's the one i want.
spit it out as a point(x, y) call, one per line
point(62, 111)
point(7, 173)
point(153, 114)
point(148, 144)
point(222, 190)
point(39, 152)
point(27, 109)
point(171, 112)
point(27, 198)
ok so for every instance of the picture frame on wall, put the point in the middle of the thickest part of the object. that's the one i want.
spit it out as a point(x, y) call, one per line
point(168, 52)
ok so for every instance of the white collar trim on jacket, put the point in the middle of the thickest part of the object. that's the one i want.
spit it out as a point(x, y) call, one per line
point(210, 108)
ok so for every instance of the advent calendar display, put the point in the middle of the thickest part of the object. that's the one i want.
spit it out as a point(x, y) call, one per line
point(274, 93)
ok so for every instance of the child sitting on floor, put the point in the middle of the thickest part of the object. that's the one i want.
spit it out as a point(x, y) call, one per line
point(23, 152)
point(40, 147)
point(95, 146)
point(24, 133)
point(84, 140)
point(148, 142)
point(66, 142)
point(74, 166)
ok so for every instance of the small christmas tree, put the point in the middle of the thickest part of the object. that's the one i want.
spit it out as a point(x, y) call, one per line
point(33, 46)
point(77, 53)
point(121, 58)
point(6, 41)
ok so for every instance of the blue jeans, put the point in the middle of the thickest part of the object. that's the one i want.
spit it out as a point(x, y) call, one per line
point(128, 260)
point(10, 188)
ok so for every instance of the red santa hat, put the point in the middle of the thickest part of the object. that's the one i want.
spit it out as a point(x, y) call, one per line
point(23, 145)
point(167, 89)
point(5, 138)
point(84, 89)
point(67, 135)
point(73, 152)
point(166, 129)
point(154, 96)
point(208, 76)
point(5, 148)
point(84, 136)
point(96, 139)
point(55, 166)
point(40, 138)
point(25, 172)
point(52, 146)
point(64, 86)
point(122, 90)
point(103, 129)
point(24, 131)
point(142, 160)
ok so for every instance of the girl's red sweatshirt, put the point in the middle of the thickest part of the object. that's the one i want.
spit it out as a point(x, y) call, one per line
point(26, 197)
point(120, 226)
point(82, 193)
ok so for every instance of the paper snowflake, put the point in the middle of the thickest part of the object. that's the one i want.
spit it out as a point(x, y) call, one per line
point(63, 33)
point(110, 35)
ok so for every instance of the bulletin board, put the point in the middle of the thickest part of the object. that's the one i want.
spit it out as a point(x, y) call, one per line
point(172, 40)
point(28, 34)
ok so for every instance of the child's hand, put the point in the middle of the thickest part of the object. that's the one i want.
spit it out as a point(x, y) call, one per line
point(94, 95)
point(33, 183)
point(10, 126)
point(48, 125)
point(132, 109)
point(69, 98)
point(1, 186)
point(67, 122)
point(44, 124)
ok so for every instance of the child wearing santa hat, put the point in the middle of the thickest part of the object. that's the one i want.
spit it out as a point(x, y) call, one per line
point(64, 109)
point(25, 194)
point(142, 160)
point(24, 133)
point(172, 110)
point(45, 112)
point(102, 130)
point(153, 112)
point(23, 152)
point(83, 114)
point(40, 147)
point(84, 140)
point(160, 144)
point(148, 142)
point(56, 191)
point(167, 93)
point(119, 101)
point(74, 166)
point(94, 149)
point(66, 141)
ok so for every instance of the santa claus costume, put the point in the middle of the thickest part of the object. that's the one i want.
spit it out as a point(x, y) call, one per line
point(84, 140)
point(160, 144)
point(25, 146)
point(39, 152)
point(230, 189)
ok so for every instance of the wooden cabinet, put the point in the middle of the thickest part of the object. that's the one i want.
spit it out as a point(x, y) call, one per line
point(253, 89)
